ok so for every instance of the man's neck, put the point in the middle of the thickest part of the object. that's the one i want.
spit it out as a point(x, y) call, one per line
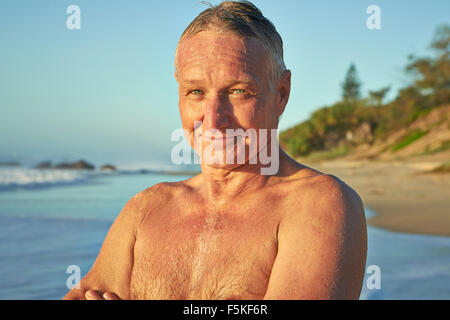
point(221, 185)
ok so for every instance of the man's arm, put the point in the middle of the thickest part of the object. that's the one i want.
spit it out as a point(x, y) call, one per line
point(322, 247)
point(112, 269)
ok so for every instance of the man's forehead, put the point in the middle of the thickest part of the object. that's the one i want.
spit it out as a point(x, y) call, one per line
point(215, 38)
point(228, 49)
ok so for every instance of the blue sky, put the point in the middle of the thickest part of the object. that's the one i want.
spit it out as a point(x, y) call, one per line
point(107, 93)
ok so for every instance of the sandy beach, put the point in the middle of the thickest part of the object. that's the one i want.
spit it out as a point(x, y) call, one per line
point(405, 197)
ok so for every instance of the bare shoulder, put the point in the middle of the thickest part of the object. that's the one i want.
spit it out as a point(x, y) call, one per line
point(160, 194)
point(327, 210)
point(322, 195)
point(156, 194)
point(330, 189)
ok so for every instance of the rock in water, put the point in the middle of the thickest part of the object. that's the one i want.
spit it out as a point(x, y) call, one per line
point(108, 167)
point(79, 165)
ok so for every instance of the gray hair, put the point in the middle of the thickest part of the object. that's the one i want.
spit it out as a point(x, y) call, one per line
point(246, 20)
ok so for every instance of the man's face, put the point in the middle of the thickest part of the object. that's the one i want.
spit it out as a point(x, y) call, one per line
point(224, 84)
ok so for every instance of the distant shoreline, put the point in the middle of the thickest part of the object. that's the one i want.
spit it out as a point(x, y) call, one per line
point(10, 164)
point(82, 165)
point(161, 172)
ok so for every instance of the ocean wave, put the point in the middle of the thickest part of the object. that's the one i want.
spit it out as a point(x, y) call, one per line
point(16, 178)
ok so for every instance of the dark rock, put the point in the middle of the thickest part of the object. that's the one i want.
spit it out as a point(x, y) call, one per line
point(44, 165)
point(108, 167)
point(78, 165)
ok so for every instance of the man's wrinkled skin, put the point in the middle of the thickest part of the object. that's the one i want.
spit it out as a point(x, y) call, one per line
point(230, 232)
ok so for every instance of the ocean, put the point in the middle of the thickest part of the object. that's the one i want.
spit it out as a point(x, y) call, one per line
point(53, 219)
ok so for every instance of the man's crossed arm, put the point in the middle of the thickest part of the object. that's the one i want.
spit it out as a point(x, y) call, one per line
point(322, 247)
point(111, 272)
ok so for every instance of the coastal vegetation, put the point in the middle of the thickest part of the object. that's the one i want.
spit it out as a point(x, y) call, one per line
point(370, 128)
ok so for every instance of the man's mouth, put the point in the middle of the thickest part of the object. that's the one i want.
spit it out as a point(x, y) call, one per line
point(215, 136)
point(222, 139)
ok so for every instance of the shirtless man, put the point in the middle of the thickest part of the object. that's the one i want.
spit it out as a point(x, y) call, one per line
point(231, 232)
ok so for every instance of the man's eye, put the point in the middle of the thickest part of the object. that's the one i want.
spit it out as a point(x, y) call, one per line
point(196, 91)
point(240, 91)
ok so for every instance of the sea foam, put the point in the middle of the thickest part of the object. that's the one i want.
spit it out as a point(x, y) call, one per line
point(12, 178)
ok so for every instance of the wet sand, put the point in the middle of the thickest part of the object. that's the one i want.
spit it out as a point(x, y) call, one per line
point(404, 197)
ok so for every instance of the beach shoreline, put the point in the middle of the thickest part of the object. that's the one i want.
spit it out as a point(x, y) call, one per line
point(404, 195)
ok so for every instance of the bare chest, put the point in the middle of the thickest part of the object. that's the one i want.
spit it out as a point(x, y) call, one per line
point(203, 257)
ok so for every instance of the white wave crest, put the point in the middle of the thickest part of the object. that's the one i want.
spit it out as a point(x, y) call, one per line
point(23, 177)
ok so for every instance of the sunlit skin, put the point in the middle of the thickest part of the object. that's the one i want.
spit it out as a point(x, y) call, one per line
point(230, 232)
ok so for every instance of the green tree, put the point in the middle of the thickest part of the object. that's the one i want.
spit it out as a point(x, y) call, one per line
point(351, 85)
point(432, 74)
point(377, 96)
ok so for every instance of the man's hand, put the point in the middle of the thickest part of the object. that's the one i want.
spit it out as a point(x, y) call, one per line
point(95, 295)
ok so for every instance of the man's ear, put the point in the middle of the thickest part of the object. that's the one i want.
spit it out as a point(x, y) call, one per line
point(283, 91)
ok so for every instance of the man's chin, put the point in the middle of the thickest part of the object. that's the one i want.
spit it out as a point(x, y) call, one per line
point(222, 165)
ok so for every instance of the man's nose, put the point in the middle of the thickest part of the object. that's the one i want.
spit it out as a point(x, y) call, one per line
point(217, 113)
